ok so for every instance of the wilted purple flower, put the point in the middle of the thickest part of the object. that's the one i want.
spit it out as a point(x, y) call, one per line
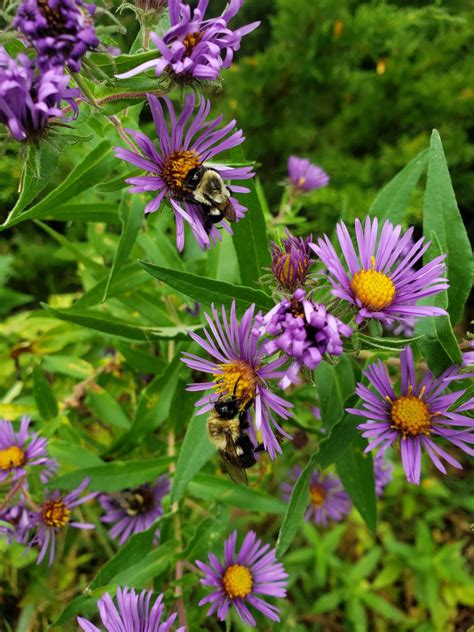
point(327, 498)
point(237, 369)
point(19, 518)
point(21, 449)
point(134, 613)
point(380, 283)
point(53, 516)
point(304, 176)
point(134, 510)
point(304, 331)
point(468, 356)
point(419, 414)
point(195, 48)
point(291, 261)
point(62, 31)
point(242, 578)
point(29, 97)
point(180, 151)
point(383, 472)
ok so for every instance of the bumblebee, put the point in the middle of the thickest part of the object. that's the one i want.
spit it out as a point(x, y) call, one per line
point(226, 429)
point(134, 501)
point(207, 188)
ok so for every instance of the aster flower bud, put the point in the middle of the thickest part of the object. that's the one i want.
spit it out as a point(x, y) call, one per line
point(61, 30)
point(151, 5)
point(30, 97)
point(291, 261)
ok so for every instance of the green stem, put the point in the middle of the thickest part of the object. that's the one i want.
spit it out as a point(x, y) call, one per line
point(86, 91)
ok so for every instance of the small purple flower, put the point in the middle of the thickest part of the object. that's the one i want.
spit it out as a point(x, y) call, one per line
point(30, 98)
point(53, 516)
point(468, 356)
point(383, 473)
point(304, 331)
point(237, 369)
point(291, 261)
point(419, 414)
point(19, 518)
point(327, 498)
point(190, 143)
point(19, 450)
point(134, 510)
point(380, 283)
point(304, 176)
point(242, 578)
point(134, 613)
point(195, 48)
point(61, 31)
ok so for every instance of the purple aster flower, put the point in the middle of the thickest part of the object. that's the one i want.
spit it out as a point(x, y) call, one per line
point(468, 356)
point(237, 369)
point(134, 510)
point(327, 498)
point(135, 613)
point(30, 98)
point(55, 514)
point(19, 518)
point(304, 331)
point(417, 416)
point(182, 150)
point(195, 48)
point(291, 261)
point(383, 472)
point(304, 176)
point(21, 449)
point(379, 282)
point(253, 571)
point(61, 31)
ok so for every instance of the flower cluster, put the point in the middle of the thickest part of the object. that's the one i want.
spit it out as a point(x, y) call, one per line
point(238, 370)
point(31, 97)
point(189, 143)
point(242, 578)
point(304, 331)
point(195, 47)
point(135, 613)
point(61, 31)
point(422, 412)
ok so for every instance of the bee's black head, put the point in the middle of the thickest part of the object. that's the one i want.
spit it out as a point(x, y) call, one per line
point(228, 408)
point(193, 178)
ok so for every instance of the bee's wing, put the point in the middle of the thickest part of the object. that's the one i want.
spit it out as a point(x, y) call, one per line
point(232, 462)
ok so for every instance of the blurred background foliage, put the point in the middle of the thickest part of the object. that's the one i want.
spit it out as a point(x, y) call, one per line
point(356, 86)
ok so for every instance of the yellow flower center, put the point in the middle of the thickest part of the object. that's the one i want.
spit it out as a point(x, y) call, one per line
point(177, 166)
point(237, 581)
point(411, 416)
point(55, 513)
point(191, 40)
point(301, 181)
point(318, 495)
point(238, 379)
point(374, 289)
point(12, 457)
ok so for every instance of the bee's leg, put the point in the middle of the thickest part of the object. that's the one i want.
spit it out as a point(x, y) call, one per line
point(260, 448)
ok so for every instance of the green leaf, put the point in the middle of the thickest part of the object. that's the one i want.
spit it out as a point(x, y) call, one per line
point(128, 280)
point(364, 567)
point(356, 471)
point(69, 453)
point(153, 407)
point(342, 435)
point(250, 237)
point(195, 451)
point(385, 343)
point(328, 602)
point(215, 488)
point(208, 291)
point(67, 365)
point(44, 396)
point(378, 604)
point(115, 327)
point(85, 175)
point(334, 384)
point(438, 343)
point(393, 200)
point(96, 212)
point(442, 217)
point(131, 214)
point(296, 508)
point(84, 605)
point(133, 552)
point(107, 408)
point(116, 476)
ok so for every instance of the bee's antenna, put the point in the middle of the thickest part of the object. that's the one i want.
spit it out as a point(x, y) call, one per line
point(235, 385)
